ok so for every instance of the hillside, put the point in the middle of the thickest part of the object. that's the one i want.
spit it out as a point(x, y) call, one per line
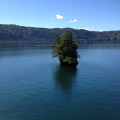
point(21, 34)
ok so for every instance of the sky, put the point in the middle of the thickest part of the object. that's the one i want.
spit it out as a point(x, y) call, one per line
point(94, 15)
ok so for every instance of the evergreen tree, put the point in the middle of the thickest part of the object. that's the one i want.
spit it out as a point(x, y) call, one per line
point(65, 49)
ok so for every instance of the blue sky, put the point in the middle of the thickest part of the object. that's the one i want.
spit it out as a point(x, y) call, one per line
point(95, 15)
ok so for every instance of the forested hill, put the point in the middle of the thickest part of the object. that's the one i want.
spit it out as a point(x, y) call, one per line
point(21, 34)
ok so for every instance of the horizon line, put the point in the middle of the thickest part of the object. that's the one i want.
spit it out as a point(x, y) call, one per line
point(63, 28)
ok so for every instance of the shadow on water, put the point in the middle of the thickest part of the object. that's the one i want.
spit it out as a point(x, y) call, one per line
point(65, 77)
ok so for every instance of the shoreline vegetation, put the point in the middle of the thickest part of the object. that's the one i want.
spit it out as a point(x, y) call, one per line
point(14, 34)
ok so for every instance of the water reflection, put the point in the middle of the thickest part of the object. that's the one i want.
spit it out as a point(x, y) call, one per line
point(99, 46)
point(10, 50)
point(65, 77)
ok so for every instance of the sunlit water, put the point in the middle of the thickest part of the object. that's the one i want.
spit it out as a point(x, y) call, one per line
point(34, 87)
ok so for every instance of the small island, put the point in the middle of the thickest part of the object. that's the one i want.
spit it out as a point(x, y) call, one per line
point(65, 49)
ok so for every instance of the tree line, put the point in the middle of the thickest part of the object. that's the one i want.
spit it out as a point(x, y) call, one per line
point(21, 34)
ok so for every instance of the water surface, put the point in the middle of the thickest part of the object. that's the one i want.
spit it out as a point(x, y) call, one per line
point(34, 87)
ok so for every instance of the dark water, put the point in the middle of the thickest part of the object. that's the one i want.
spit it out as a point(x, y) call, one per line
point(34, 87)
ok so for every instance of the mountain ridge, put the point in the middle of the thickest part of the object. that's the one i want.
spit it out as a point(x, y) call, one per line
point(10, 33)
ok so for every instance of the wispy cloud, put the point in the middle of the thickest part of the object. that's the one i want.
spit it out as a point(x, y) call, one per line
point(59, 16)
point(84, 29)
point(75, 20)
point(100, 30)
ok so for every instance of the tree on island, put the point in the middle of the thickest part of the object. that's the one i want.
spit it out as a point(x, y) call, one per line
point(65, 49)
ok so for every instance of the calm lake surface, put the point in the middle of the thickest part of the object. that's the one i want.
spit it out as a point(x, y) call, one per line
point(34, 87)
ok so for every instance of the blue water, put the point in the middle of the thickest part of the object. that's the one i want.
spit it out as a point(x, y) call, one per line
point(34, 87)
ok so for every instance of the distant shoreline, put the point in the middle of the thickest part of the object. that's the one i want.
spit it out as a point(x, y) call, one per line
point(31, 35)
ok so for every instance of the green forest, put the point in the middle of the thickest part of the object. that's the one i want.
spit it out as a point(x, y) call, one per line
point(65, 49)
point(21, 34)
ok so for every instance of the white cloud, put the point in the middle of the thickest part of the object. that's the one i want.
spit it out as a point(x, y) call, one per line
point(75, 20)
point(100, 30)
point(59, 16)
point(84, 29)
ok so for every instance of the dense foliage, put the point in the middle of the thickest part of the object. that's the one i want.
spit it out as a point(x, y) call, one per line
point(20, 34)
point(65, 49)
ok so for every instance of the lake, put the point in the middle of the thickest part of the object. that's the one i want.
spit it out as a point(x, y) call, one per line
point(33, 86)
